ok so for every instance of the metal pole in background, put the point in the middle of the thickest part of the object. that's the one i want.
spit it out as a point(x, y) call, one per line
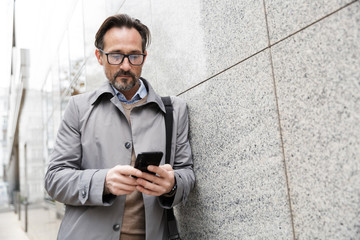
point(18, 203)
point(26, 214)
point(27, 188)
point(14, 199)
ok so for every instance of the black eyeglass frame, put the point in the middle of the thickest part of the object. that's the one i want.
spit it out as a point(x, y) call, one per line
point(124, 56)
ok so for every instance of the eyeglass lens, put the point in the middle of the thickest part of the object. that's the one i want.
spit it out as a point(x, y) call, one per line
point(118, 58)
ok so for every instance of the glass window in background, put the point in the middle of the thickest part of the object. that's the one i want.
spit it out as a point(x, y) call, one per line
point(76, 47)
point(48, 110)
point(64, 71)
point(56, 97)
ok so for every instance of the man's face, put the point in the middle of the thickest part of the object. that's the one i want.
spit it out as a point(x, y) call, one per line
point(126, 41)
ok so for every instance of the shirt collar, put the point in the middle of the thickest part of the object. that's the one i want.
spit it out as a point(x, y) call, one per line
point(140, 94)
point(107, 92)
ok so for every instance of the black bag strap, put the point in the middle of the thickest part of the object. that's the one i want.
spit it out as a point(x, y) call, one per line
point(168, 126)
point(169, 119)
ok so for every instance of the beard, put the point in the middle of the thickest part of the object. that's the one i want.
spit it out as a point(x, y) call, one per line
point(123, 84)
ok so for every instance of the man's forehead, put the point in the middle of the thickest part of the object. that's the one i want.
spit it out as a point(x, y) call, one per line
point(123, 32)
point(122, 35)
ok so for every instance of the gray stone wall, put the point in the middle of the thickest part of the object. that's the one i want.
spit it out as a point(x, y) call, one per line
point(273, 91)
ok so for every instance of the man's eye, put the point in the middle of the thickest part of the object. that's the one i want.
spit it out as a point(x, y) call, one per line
point(117, 56)
point(135, 57)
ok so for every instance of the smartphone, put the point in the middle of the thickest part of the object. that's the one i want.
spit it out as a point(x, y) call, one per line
point(144, 159)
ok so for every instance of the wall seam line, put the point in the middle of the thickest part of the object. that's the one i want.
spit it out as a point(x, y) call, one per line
point(316, 21)
point(268, 47)
point(222, 71)
point(279, 124)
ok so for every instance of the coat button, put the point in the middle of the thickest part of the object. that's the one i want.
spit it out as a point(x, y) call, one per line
point(128, 145)
point(83, 193)
point(116, 227)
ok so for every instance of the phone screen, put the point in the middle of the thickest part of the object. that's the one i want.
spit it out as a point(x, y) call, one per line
point(145, 159)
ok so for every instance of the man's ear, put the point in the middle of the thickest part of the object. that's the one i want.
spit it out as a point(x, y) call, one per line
point(98, 56)
point(145, 56)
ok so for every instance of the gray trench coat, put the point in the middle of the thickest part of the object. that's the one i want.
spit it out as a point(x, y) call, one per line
point(93, 137)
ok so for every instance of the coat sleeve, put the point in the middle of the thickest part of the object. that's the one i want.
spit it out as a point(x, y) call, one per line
point(65, 181)
point(182, 156)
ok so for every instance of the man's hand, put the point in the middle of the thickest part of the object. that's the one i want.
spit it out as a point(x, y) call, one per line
point(156, 185)
point(118, 180)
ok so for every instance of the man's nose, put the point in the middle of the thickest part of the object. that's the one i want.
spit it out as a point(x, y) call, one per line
point(125, 65)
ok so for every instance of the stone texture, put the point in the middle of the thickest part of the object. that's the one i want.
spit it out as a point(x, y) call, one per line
point(233, 30)
point(241, 186)
point(177, 54)
point(289, 16)
point(193, 40)
point(318, 81)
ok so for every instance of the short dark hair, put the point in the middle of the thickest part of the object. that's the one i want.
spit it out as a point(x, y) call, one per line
point(122, 20)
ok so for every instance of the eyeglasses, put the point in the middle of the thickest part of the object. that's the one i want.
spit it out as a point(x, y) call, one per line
point(118, 58)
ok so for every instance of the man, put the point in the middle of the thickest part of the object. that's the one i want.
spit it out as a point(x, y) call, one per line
point(91, 168)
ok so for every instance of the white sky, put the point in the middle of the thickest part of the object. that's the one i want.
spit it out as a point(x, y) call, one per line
point(37, 23)
point(5, 40)
point(27, 13)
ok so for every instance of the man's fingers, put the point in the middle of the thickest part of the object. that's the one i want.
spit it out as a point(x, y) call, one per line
point(127, 170)
point(147, 191)
point(154, 185)
point(167, 167)
point(162, 170)
point(150, 177)
point(121, 189)
point(119, 180)
point(149, 188)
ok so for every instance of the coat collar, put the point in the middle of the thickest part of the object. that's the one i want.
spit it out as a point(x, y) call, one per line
point(106, 90)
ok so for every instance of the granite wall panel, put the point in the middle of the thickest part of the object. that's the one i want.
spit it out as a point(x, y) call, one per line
point(241, 186)
point(318, 81)
point(194, 40)
point(287, 17)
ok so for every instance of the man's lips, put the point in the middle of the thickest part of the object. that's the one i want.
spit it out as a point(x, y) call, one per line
point(123, 76)
point(120, 74)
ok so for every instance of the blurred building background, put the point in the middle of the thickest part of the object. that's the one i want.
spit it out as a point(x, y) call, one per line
point(273, 91)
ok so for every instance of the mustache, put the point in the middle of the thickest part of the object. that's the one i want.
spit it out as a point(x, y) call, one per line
point(124, 73)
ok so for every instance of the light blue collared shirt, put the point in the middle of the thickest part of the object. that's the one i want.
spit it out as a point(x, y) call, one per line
point(140, 94)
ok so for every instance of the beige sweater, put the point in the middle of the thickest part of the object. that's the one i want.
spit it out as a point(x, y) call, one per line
point(133, 226)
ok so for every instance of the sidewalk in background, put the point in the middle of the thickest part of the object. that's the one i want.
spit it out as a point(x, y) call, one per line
point(42, 224)
point(10, 228)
